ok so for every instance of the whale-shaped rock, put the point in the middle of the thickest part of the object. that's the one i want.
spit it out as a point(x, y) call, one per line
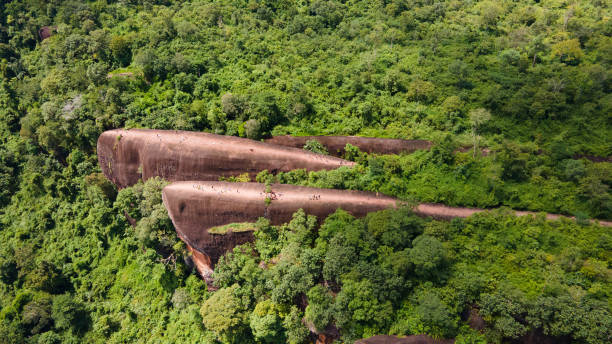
point(126, 156)
point(196, 206)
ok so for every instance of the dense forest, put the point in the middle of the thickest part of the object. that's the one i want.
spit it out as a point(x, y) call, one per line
point(527, 81)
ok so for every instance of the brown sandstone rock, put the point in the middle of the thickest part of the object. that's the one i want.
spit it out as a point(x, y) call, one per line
point(126, 156)
point(195, 207)
point(46, 32)
point(335, 144)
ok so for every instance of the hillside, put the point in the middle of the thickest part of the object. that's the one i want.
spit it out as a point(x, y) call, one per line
point(528, 82)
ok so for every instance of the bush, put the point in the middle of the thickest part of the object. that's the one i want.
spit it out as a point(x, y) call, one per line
point(315, 147)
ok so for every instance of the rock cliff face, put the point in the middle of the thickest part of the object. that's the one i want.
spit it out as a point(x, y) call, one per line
point(335, 144)
point(126, 156)
point(195, 207)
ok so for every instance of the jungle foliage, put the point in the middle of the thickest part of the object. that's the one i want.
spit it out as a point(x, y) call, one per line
point(530, 80)
point(392, 272)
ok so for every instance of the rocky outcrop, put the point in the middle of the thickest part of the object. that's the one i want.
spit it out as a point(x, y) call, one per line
point(442, 212)
point(335, 144)
point(46, 32)
point(195, 207)
point(126, 156)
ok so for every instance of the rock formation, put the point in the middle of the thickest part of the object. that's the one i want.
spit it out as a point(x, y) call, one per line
point(46, 32)
point(195, 207)
point(335, 144)
point(126, 156)
point(446, 213)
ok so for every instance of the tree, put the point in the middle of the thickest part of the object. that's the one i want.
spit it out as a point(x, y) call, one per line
point(420, 90)
point(319, 311)
point(290, 278)
point(295, 329)
point(502, 308)
point(47, 277)
point(427, 255)
point(436, 315)
point(568, 51)
point(514, 163)
point(268, 241)
point(253, 129)
point(149, 62)
point(573, 170)
point(36, 315)
point(394, 228)
point(356, 307)
point(235, 106)
point(266, 322)
point(490, 12)
point(181, 298)
point(49, 337)
point(97, 72)
point(442, 153)
point(536, 46)
point(121, 50)
point(225, 315)
point(339, 259)
point(478, 117)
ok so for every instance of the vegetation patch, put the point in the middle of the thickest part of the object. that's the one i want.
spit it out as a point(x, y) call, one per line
point(241, 178)
point(233, 227)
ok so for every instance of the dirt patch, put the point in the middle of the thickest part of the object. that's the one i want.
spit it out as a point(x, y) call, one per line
point(126, 156)
point(124, 74)
point(475, 320)
point(593, 158)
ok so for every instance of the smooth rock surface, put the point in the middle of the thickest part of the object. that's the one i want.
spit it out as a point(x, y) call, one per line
point(196, 206)
point(335, 144)
point(126, 156)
